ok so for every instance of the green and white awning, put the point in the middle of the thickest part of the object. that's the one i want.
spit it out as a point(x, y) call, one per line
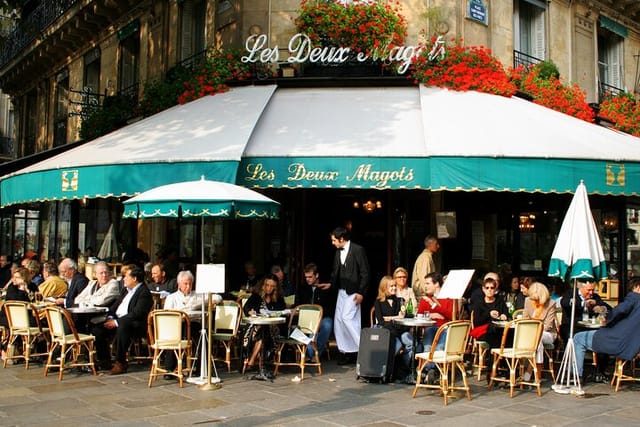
point(205, 137)
point(435, 139)
point(360, 137)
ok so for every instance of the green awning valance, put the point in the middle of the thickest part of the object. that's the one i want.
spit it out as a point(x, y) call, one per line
point(613, 26)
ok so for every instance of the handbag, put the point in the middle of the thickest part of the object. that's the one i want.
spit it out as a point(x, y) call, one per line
point(479, 331)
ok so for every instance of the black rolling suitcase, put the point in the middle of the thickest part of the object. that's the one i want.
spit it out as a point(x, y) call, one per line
point(375, 355)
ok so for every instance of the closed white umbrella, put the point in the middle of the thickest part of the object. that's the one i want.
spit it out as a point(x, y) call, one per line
point(109, 248)
point(577, 255)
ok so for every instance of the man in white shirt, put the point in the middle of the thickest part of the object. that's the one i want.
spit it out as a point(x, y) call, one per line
point(127, 318)
point(184, 298)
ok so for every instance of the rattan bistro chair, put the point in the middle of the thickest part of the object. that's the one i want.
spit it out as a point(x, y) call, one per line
point(225, 329)
point(447, 360)
point(72, 344)
point(309, 317)
point(19, 319)
point(166, 334)
point(618, 372)
point(526, 337)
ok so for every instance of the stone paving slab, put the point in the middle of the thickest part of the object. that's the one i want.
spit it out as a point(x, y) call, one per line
point(335, 398)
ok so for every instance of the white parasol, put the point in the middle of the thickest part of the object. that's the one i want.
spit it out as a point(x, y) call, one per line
point(576, 255)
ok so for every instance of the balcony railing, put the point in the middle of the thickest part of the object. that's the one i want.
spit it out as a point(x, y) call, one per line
point(521, 58)
point(43, 16)
point(607, 91)
point(6, 148)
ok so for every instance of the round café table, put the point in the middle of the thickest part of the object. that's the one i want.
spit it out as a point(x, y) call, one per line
point(263, 375)
point(82, 316)
point(588, 324)
point(415, 323)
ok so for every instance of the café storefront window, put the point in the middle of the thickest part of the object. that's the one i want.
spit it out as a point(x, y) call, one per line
point(538, 231)
point(633, 242)
point(59, 230)
point(26, 232)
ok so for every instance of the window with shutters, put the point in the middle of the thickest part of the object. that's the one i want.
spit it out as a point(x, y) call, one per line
point(192, 28)
point(31, 124)
point(529, 32)
point(61, 110)
point(609, 62)
point(91, 78)
point(129, 67)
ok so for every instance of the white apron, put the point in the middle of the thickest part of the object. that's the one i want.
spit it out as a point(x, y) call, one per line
point(347, 323)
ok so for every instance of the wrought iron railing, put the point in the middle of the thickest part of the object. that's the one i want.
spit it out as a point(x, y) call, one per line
point(83, 102)
point(521, 58)
point(6, 147)
point(192, 60)
point(607, 91)
point(130, 93)
point(32, 25)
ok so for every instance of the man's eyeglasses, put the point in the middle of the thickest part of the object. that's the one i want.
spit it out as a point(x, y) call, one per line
point(309, 277)
point(490, 288)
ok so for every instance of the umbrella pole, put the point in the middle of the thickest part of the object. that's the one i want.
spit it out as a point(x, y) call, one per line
point(202, 240)
point(568, 380)
point(212, 383)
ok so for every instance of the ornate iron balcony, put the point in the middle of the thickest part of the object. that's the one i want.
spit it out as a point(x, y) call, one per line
point(32, 25)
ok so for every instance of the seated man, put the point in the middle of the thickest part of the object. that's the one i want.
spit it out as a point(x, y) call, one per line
point(160, 282)
point(589, 303)
point(620, 336)
point(440, 310)
point(53, 286)
point(126, 319)
point(184, 299)
point(76, 281)
point(322, 294)
point(100, 292)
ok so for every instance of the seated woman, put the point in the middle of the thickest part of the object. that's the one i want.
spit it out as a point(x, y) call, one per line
point(403, 292)
point(17, 290)
point(486, 310)
point(268, 296)
point(20, 286)
point(387, 307)
point(539, 305)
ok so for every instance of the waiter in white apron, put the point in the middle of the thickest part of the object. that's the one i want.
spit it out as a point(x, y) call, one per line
point(350, 275)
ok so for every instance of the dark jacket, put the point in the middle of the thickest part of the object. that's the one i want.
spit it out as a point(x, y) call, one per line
point(139, 306)
point(621, 337)
point(325, 298)
point(354, 275)
point(77, 285)
point(565, 302)
point(255, 303)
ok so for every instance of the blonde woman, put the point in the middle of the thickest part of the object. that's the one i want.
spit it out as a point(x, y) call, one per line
point(539, 305)
point(387, 308)
point(403, 292)
point(268, 297)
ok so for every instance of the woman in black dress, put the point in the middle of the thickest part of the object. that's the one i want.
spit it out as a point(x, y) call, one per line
point(268, 296)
